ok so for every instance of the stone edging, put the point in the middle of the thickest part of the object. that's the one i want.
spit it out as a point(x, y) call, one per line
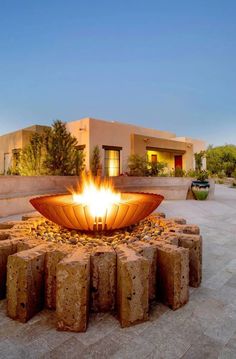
point(122, 280)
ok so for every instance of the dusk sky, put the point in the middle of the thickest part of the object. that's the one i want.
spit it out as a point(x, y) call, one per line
point(169, 65)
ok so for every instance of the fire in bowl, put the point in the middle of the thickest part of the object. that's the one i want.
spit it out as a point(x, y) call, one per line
point(96, 206)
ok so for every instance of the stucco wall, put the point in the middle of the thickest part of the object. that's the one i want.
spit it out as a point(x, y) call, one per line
point(9, 142)
point(81, 130)
point(15, 191)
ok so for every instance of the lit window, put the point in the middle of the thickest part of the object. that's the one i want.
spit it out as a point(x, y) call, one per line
point(112, 162)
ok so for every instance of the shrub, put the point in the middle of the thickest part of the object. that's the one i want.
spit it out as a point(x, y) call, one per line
point(202, 175)
point(61, 152)
point(138, 165)
point(234, 174)
point(156, 168)
point(191, 173)
point(32, 157)
point(95, 161)
point(79, 162)
point(199, 159)
point(179, 172)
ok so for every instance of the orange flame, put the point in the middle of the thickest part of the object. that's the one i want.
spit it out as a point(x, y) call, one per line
point(99, 195)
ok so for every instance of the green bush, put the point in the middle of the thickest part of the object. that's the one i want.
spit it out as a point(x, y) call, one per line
point(234, 174)
point(221, 159)
point(191, 173)
point(199, 159)
point(179, 172)
point(95, 161)
point(156, 168)
point(32, 157)
point(202, 175)
point(140, 166)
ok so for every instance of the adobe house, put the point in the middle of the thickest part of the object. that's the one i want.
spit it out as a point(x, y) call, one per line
point(12, 143)
point(116, 141)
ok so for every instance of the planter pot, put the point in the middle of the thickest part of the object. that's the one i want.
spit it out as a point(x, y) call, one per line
point(200, 189)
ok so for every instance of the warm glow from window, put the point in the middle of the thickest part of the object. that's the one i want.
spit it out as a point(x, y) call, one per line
point(112, 162)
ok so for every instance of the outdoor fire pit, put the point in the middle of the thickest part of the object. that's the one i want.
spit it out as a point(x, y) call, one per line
point(63, 210)
point(97, 250)
point(97, 207)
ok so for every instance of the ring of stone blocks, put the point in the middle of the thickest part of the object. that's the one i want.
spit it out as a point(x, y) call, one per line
point(125, 279)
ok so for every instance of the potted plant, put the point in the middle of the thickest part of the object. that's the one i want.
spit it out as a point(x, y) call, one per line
point(200, 187)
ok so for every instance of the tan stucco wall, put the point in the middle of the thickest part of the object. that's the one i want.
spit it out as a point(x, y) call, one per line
point(9, 142)
point(81, 130)
point(105, 133)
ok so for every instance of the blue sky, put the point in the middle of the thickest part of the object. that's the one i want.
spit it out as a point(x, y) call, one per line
point(169, 65)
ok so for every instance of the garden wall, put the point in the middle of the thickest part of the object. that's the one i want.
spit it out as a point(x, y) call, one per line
point(16, 191)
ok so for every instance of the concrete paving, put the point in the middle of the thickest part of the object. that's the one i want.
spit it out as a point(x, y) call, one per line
point(204, 328)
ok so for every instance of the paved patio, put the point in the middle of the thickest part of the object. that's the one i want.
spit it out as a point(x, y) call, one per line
point(204, 328)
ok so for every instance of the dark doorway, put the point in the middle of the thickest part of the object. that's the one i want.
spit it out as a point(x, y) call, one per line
point(179, 161)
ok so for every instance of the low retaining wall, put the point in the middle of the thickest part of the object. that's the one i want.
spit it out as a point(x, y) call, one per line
point(16, 191)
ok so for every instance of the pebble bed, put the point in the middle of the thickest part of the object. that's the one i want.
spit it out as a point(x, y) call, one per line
point(149, 228)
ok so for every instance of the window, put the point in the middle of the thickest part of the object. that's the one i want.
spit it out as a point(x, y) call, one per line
point(112, 161)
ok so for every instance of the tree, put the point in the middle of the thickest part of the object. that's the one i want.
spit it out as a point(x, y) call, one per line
point(79, 162)
point(199, 159)
point(32, 157)
point(61, 153)
point(221, 159)
point(95, 161)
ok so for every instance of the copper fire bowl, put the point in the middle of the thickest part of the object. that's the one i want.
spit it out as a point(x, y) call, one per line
point(62, 210)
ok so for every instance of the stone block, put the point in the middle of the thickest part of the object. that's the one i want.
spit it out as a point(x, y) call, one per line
point(189, 228)
point(177, 220)
point(6, 225)
point(35, 215)
point(172, 274)
point(170, 238)
point(4, 234)
point(7, 248)
point(13, 233)
point(103, 279)
point(194, 244)
point(150, 253)
point(25, 283)
point(73, 287)
point(159, 214)
point(28, 243)
point(132, 286)
point(52, 259)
